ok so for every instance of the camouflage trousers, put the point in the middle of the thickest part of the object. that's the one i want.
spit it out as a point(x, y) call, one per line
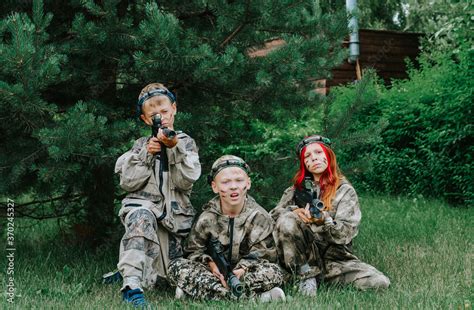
point(297, 245)
point(141, 259)
point(197, 281)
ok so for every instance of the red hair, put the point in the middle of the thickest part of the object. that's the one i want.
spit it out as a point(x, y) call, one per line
point(330, 179)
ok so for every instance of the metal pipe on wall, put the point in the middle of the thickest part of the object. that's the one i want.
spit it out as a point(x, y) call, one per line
point(351, 7)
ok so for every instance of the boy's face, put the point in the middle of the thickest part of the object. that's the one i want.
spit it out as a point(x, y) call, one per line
point(159, 105)
point(231, 184)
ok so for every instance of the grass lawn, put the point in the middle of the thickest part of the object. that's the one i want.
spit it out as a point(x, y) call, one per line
point(424, 247)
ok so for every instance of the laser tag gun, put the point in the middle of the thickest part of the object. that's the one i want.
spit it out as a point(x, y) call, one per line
point(170, 134)
point(216, 251)
point(308, 195)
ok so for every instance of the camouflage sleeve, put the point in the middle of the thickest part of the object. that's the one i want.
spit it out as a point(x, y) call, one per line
point(196, 244)
point(285, 205)
point(346, 221)
point(184, 164)
point(260, 242)
point(135, 166)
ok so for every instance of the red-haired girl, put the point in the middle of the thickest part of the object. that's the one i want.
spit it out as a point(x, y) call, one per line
point(316, 220)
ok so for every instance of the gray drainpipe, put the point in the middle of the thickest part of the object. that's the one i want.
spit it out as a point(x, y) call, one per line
point(351, 7)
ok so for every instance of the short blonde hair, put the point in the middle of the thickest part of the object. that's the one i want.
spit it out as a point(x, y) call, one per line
point(224, 162)
point(157, 89)
point(151, 87)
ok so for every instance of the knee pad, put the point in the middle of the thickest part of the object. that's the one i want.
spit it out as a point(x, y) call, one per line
point(140, 215)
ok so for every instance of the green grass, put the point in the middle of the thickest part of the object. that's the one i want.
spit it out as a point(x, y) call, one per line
point(425, 248)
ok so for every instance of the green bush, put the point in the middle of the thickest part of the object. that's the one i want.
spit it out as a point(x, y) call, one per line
point(427, 146)
point(423, 145)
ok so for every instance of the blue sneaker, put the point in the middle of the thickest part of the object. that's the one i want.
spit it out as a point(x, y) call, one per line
point(135, 297)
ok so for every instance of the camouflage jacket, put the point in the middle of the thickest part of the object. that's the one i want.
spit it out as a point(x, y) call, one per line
point(252, 239)
point(140, 176)
point(345, 212)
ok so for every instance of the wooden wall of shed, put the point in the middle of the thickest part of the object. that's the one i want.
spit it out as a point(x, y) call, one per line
point(384, 51)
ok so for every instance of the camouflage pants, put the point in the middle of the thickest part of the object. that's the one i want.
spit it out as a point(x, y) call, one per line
point(140, 260)
point(197, 280)
point(297, 245)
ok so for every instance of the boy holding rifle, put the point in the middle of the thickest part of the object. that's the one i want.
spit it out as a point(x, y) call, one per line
point(232, 251)
point(158, 173)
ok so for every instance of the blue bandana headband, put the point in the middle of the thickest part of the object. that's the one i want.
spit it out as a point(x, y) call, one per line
point(153, 93)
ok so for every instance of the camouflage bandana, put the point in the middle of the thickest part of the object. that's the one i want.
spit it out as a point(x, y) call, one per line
point(153, 93)
point(312, 139)
point(237, 162)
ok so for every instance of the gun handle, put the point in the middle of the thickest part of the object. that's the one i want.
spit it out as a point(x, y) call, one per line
point(154, 131)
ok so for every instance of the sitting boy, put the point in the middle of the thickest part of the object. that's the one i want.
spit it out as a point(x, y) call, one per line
point(158, 173)
point(236, 227)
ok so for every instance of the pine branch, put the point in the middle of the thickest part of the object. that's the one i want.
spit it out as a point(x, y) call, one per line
point(232, 35)
point(357, 104)
point(22, 205)
point(24, 159)
point(239, 28)
point(284, 158)
point(206, 13)
point(19, 208)
point(32, 215)
point(45, 217)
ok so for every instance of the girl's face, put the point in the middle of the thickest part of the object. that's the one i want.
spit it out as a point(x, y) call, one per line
point(314, 159)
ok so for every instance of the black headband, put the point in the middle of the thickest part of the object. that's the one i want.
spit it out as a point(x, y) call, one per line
point(312, 139)
point(227, 163)
point(153, 93)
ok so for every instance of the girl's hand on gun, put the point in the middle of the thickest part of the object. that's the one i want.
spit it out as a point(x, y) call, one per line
point(303, 214)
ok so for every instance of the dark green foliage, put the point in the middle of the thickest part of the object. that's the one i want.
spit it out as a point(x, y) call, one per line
point(415, 137)
point(374, 14)
point(29, 64)
point(427, 145)
point(422, 140)
point(69, 80)
point(435, 18)
point(355, 120)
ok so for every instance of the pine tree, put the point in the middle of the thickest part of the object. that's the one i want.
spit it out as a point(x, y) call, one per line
point(70, 80)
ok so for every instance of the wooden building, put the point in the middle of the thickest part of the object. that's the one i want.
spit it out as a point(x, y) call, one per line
point(383, 50)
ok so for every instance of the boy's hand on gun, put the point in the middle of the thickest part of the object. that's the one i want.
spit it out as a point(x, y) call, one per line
point(215, 271)
point(153, 147)
point(169, 143)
